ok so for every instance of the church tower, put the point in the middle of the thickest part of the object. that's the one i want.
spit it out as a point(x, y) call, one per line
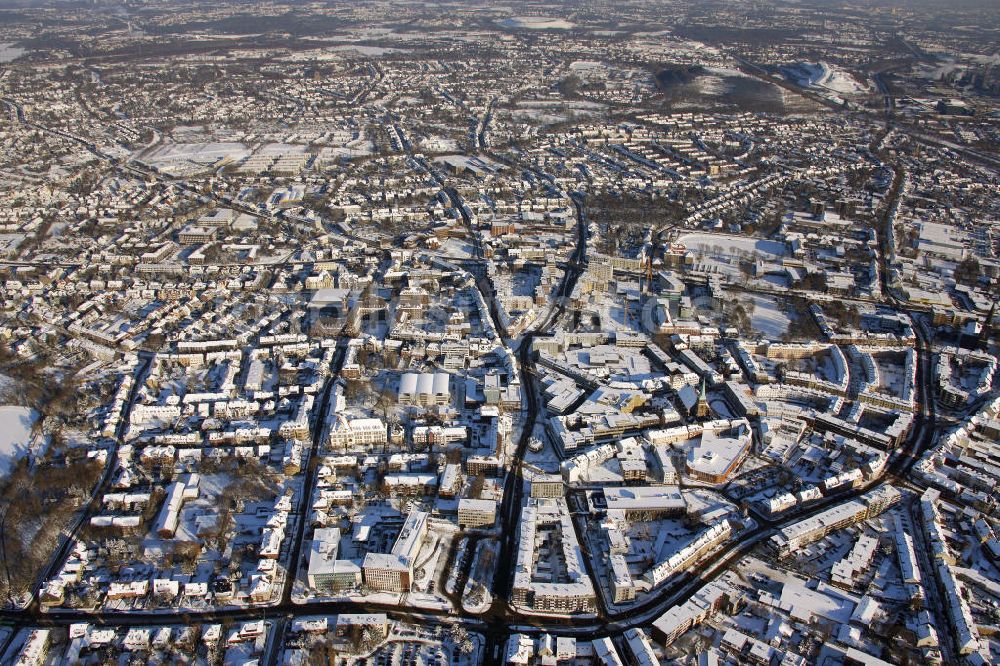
point(702, 409)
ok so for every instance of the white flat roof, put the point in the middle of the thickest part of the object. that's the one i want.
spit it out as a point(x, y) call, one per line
point(651, 497)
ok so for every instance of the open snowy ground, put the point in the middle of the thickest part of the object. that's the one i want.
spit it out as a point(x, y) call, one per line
point(839, 81)
point(822, 75)
point(768, 319)
point(727, 245)
point(9, 52)
point(366, 50)
point(721, 253)
point(15, 434)
point(536, 23)
point(187, 157)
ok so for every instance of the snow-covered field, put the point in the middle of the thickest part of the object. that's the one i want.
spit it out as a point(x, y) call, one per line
point(457, 248)
point(721, 253)
point(823, 75)
point(187, 157)
point(10, 52)
point(347, 151)
point(438, 144)
point(728, 245)
point(536, 23)
point(366, 50)
point(15, 433)
point(768, 319)
point(579, 105)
